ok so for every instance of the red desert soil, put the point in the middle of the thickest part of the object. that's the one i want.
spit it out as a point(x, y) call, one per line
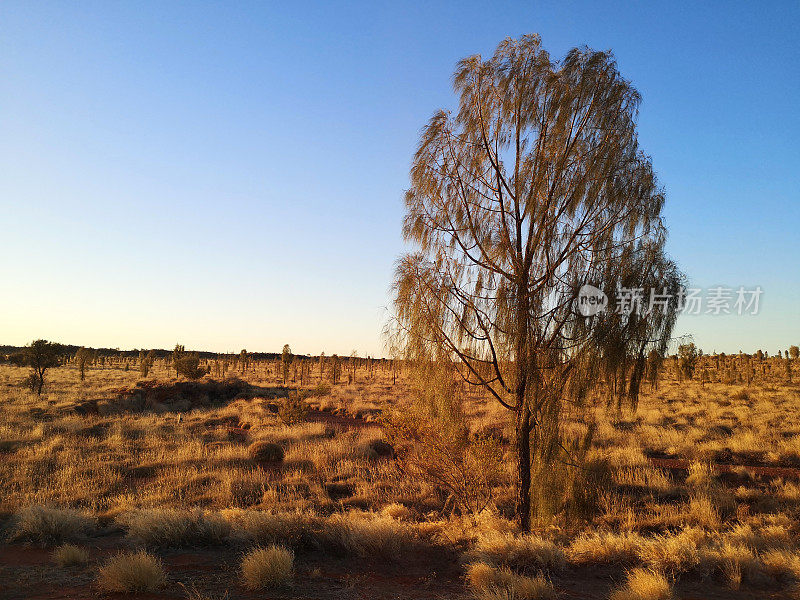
point(26, 573)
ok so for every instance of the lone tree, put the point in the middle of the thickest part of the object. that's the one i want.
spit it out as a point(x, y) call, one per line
point(286, 360)
point(177, 354)
point(336, 369)
point(535, 187)
point(40, 355)
point(188, 365)
point(146, 361)
point(687, 360)
point(84, 357)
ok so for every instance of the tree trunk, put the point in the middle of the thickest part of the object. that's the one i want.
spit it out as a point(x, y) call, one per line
point(523, 412)
point(523, 443)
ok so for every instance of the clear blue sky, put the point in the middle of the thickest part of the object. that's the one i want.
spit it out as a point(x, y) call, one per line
point(230, 175)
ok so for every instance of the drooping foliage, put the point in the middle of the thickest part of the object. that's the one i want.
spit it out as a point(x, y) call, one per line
point(535, 187)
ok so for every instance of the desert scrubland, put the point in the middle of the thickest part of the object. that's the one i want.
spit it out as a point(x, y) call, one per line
point(237, 484)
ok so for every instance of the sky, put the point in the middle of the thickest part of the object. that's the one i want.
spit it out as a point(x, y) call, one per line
point(230, 175)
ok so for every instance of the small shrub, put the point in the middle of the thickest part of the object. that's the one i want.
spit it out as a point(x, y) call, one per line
point(488, 583)
point(189, 366)
point(292, 409)
point(32, 382)
point(131, 572)
point(69, 555)
point(321, 389)
point(267, 567)
point(644, 584)
point(381, 448)
point(47, 525)
point(266, 452)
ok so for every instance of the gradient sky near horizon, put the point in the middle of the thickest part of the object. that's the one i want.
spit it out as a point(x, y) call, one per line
point(230, 175)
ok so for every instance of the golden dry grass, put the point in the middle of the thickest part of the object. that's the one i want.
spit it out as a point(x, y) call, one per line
point(490, 583)
point(267, 567)
point(644, 584)
point(193, 481)
point(47, 525)
point(130, 572)
point(70, 555)
point(164, 527)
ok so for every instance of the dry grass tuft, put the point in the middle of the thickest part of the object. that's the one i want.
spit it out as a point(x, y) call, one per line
point(267, 567)
point(524, 553)
point(702, 512)
point(131, 572)
point(397, 511)
point(293, 530)
point(644, 584)
point(782, 564)
point(701, 476)
point(489, 583)
point(47, 525)
point(732, 563)
point(606, 548)
point(69, 555)
point(367, 535)
point(673, 554)
point(768, 537)
point(166, 528)
point(192, 593)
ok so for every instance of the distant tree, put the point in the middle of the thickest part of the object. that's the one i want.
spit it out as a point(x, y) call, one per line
point(353, 362)
point(336, 368)
point(687, 360)
point(177, 354)
point(41, 355)
point(83, 358)
point(146, 360)
point(794, 352)
point(704, 378)
point(188, 365)
point(321, 365)
point(244, 359)
point(760, 354)
point(286, 360)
